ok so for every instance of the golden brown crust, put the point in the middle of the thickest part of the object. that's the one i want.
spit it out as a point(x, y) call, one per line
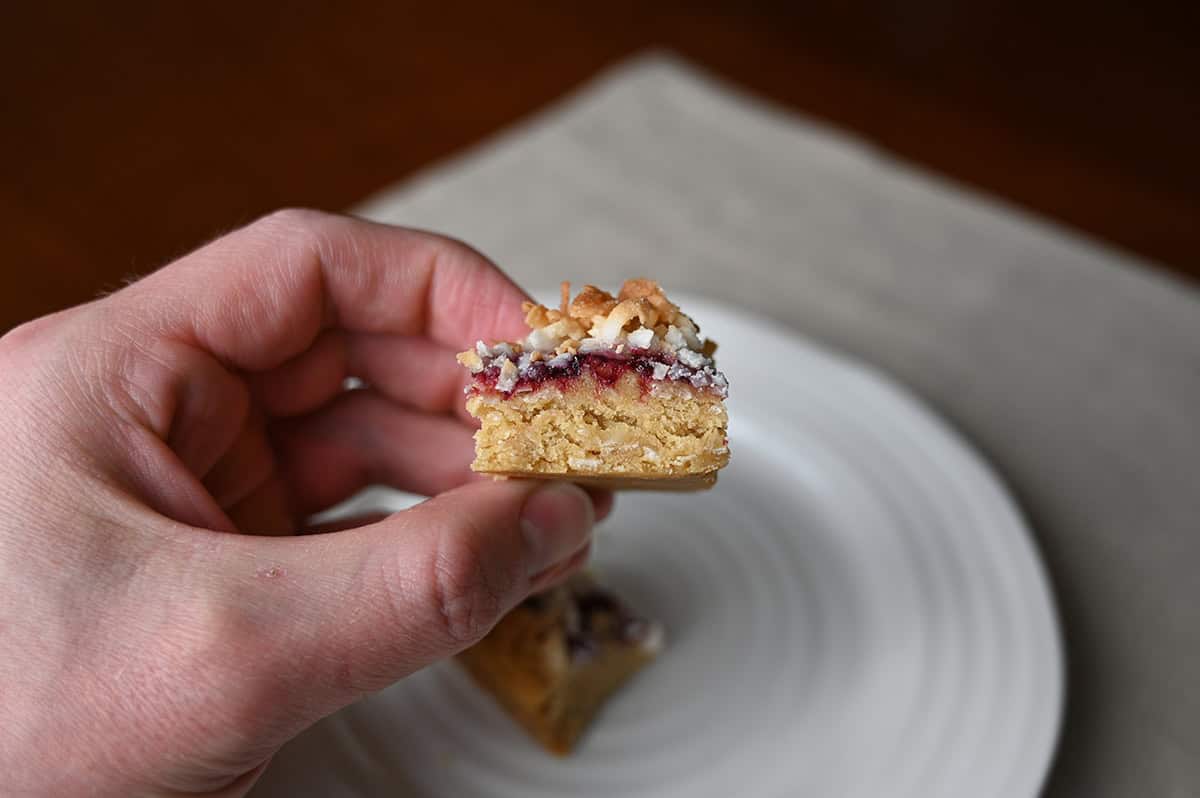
point(681, 484)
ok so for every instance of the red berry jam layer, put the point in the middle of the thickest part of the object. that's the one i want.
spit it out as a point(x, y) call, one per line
point(508, 374)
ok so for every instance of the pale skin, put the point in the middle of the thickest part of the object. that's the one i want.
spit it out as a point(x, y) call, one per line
point(164, 628)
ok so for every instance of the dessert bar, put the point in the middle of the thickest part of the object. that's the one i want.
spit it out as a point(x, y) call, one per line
point(619, 391)
point(554, 660)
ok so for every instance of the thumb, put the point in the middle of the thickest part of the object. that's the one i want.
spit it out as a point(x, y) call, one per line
point(333, 616)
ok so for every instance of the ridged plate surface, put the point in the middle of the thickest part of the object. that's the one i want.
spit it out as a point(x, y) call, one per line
point(855, 610)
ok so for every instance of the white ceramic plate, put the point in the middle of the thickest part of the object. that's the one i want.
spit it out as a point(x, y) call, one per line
point(855, 610)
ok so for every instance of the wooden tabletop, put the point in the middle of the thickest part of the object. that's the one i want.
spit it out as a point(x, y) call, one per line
point(134, 131)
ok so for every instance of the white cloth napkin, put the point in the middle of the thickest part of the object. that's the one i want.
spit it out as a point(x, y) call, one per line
point(1074, 367)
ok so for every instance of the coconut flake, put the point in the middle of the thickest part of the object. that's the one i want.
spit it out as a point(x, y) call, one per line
point(508, 377)
point(691, 358)
point(689, 330)
point(678, 371)
point(641, 338)
point(593, 345)
point(541, 340)
point(610, 331)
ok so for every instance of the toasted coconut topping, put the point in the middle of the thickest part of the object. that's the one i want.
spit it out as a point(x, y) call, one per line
point(595, 313)
point(639, 320)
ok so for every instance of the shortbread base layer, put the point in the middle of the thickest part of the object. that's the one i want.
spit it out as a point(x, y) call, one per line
point(585, 430)
point(684, 483)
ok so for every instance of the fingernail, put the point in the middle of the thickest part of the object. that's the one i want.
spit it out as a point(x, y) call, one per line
point(556, 521)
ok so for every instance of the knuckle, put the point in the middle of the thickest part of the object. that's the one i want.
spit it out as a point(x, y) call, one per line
point(466, 608)
point(24, 336)
point(296, 230)
point(294, 220)
point(467, 593)
point(454, 256)
point(16, 336)
point(304, 236)
point(455, 248)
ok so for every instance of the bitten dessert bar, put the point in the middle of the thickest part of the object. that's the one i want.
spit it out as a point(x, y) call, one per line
point(617, 391)
point(554, 660)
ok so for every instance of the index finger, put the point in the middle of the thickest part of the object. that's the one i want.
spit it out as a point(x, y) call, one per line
point(262, 294)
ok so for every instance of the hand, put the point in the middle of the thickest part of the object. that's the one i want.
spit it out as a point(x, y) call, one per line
point(163, 630)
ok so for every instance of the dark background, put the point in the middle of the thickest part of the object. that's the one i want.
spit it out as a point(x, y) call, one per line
point(134, 131)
